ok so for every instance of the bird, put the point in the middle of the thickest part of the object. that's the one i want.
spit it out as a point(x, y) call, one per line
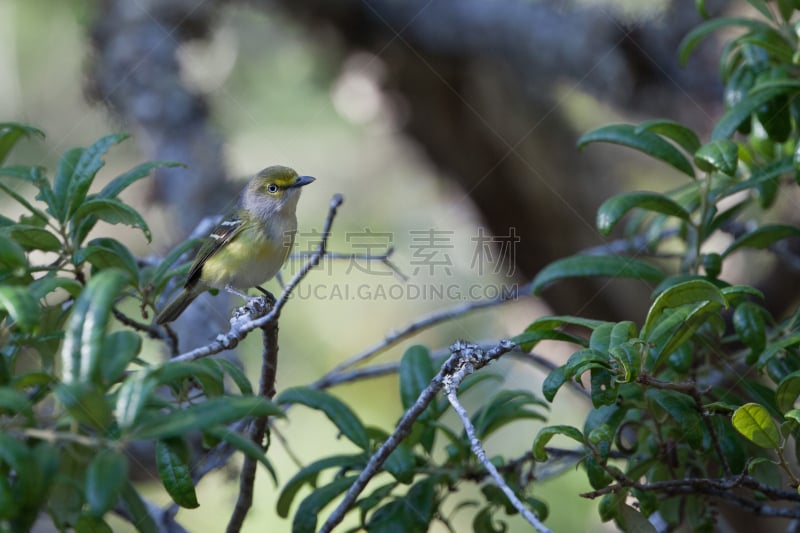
point(249, 246)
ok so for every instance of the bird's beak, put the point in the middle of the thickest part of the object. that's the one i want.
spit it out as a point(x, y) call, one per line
point(301, 180)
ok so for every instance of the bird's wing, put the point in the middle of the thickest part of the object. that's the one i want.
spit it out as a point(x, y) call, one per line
point(222, 234)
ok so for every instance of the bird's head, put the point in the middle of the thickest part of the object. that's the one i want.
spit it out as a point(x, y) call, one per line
point(275, 188)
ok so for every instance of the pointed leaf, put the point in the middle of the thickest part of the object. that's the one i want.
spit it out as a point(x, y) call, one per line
point(132, 398)
point(105, 478)
point(336, 411)
point(644, 141)
point(308, 475)
point(685, 137)
point(86, 168)
point(547, 433)
point(123, 181)
point(788, 391)
point(305, 519)
point(137, 510)
point(726, 126)
point(613, 209)
point(105, 253)
point(112, 211)
point(202, 416)
point(416, 373)
point(688, 292)
point(579, 266)
point(10, 133)
point(61, 182)
point(244, 445)
point(694, 37)
point(86, 329)
point(762, 237)
point(20, 305)
point(172, 462)
point(754, 422)
point(34, 238)
point(721, 155)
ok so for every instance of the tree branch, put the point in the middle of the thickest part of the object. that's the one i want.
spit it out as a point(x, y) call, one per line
point(459, 351)
point(451, 384)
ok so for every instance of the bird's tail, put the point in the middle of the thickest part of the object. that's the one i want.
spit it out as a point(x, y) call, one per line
point(179, 304)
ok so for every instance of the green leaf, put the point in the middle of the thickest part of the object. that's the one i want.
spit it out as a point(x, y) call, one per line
point(483, 522)
point(694, 37)
point(85, 403)
point(308, 475)
point(104, 253)
point(613, 209)
point(754, 422)
point(119, 350)
point(13, 403)
point(721, 155)
point(682, 409)
point(112, 211)
point(202, 416)
point(632, 521)
point(34, 238)
point(748, 322)
point(166, 270)
point(132, 398)
point(123, 181)
point(400, 464)
point(12, 258)
point(554, 380)
point(527, 340)
point(172, 462)
point(92, 524)
point(38, 214)
point(86, 168)
point(244, 445)
point(106, 475)
point(643, 141)
point(49, 283)
point(234, 371)
point(688, 292)
point(726, 126)
point(336, 411)
point(674, 330)
point(10, 133)
point(412, 513)
point(505, 407)
point(20, 305)
point(61, 182)
point(416, 372)
point(547, 433)
point(774, 348)
point(86, 330)
point(762, 237)
point(579, 266)
point(137, 510)
point(685, 137)
point(305, 519)
point(787, 392)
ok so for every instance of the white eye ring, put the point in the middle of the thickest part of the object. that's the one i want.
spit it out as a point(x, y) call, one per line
point(272, 188)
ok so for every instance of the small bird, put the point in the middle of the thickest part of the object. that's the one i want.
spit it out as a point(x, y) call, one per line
point(250, 245)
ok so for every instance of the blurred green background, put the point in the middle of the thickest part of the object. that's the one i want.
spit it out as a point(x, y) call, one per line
point(277, 97)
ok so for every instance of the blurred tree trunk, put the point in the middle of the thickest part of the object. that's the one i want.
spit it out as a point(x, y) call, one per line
point(483, 86)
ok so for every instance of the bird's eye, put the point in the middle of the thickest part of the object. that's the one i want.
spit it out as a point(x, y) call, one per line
point(272, 188)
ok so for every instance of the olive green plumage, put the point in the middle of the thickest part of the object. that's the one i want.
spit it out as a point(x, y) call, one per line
point(250, 245)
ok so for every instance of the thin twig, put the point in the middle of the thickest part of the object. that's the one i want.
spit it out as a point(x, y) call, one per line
point(451, 384)
point(339, 256)
point(459, 350)
point(247, 322)
point(258, 427)
point(332, 379)
point(421, 324)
